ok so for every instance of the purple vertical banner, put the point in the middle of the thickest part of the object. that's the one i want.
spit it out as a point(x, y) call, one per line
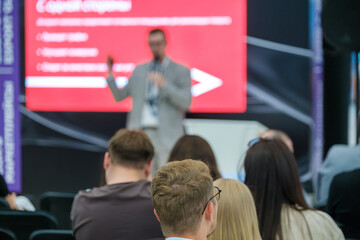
point(317, 141)
point(10, 139)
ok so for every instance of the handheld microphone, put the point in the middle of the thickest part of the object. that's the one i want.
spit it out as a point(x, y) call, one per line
point(156, 65)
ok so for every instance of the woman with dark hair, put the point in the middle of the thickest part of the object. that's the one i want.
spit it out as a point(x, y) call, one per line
point(197, 148)
point(272, 177)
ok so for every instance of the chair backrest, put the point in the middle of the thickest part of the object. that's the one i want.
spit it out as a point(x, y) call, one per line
point(6, 234)
point(52, 235)
point(4, 204)
point(59, 205)
point(24, 223)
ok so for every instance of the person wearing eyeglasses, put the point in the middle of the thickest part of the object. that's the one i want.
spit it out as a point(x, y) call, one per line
point(273, 179)
point(185, 200)
point(237, 217)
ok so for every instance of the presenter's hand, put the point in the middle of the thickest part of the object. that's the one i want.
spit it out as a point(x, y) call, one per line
point(109, 63)
point(157, 79)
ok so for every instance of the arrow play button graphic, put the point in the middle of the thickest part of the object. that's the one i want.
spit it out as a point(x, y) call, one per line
point(206, 82)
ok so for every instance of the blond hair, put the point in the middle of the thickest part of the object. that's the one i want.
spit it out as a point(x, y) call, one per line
point(237, 217)
point(180, 190)
point(131, 148)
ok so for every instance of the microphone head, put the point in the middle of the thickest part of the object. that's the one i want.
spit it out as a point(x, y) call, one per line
point(155, 64)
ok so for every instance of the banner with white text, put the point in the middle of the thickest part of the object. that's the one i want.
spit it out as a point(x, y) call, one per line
point(10, 141)
point(67, 41)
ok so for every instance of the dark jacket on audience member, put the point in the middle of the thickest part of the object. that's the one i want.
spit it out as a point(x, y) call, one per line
point(3, 187)
point(120, 211)
point(344, 202)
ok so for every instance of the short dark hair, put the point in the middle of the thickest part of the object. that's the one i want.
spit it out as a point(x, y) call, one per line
point(157, 30)
point(272, 177)
point(195, 147)
point(131, 148)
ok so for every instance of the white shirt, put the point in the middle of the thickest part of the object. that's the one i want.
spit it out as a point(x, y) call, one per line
point(149, 113)
point(177, 238)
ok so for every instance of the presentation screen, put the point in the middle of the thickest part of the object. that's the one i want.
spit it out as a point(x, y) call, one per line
point(67, 43)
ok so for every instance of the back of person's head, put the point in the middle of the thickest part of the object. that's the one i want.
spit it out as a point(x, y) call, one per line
point(279, 135)
point(272, 177)
point(130, 148)
point(237, 217)
point(180, 190)
point(195, 147)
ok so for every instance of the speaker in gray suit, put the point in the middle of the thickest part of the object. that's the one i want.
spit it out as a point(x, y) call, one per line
point(161, 93)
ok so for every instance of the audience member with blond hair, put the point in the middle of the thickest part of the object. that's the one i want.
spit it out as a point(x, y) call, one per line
point(185, 200)
point(197, 148)
point(272, 177)
point(236, 213)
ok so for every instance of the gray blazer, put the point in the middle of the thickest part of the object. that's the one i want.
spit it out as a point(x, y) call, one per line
point(174, 99)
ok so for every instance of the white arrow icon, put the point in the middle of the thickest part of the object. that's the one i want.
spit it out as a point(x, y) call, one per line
point(206, 83)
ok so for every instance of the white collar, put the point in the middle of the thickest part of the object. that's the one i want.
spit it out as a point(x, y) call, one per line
point(177, 238)
point(165, 62)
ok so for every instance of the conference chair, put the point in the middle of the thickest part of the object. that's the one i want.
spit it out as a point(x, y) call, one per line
point(22, 223)
point(4, 204)
point(6, 234)
point(52, 235)
point(59, 205)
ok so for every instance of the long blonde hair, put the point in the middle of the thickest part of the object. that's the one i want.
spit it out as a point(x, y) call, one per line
point(236, 218)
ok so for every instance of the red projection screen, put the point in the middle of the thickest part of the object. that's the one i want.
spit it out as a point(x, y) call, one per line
point(67, 42)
